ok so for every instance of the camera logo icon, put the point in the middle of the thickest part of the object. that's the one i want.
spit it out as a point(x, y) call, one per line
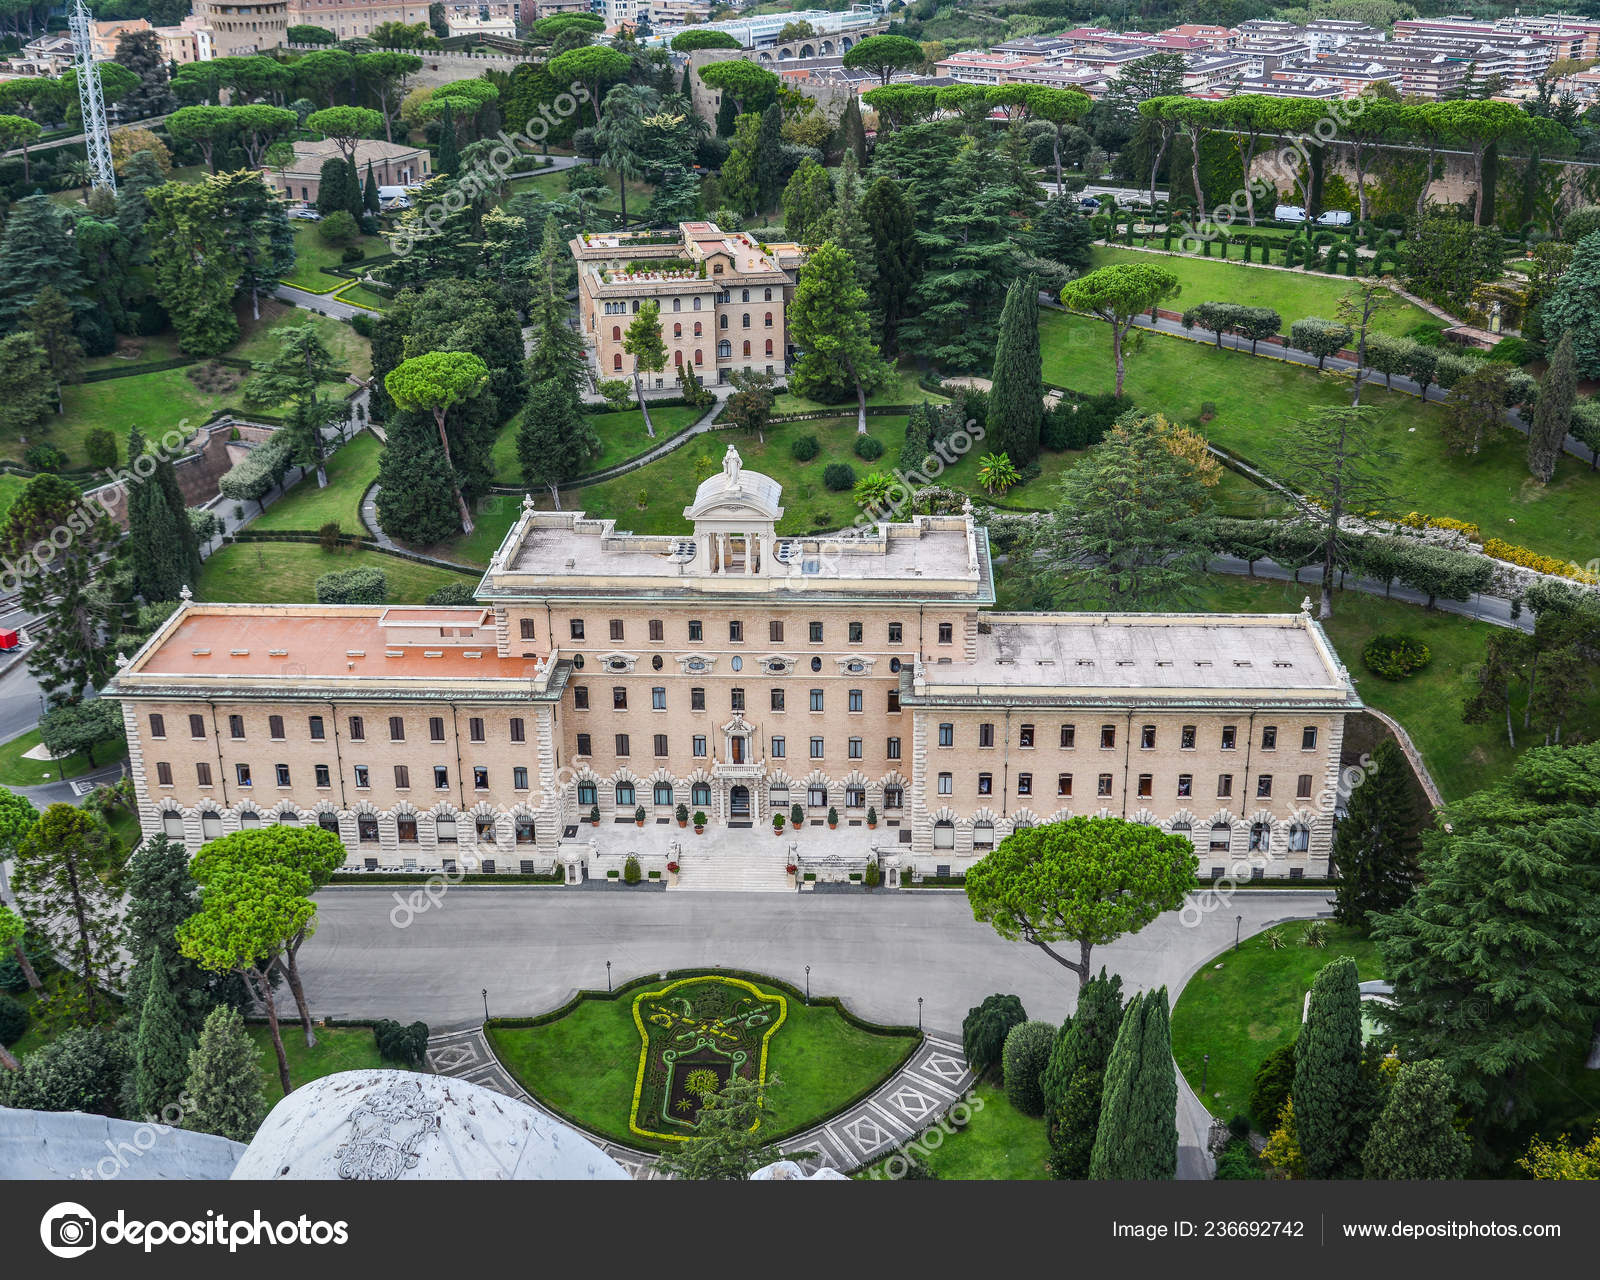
point(68, 1230)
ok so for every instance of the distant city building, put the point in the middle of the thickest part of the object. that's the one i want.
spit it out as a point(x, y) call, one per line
point(349, 19)
point(242, 28)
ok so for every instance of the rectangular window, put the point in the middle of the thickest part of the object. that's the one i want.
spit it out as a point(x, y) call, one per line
point(816, 699)
point(947, 784)
point(855, 748)
point(855, 632)
point(236, 727)
point(657, 630)
point(1024, 784)
point(986, 735)
point(1230, 737)
point(1108, 736)
point(480, 778)
point(242, 773)
point(697, 699)
point(406, 830)
point(475, 729)
point(619, 697)
point(363, 777)
point(616, 628)
point(897, 633)
point(397, 729)
point(281, 773)
point(163, 773)
point(660, 744)
point(1269, 737)
point(575, 628)
point(1186, 738)
point(435, 728)
point(816, 748)
point(814, 632)
point(892, 748)
point(1224, 785)
point(202, 774)
point(947, 633)
point(856, 703)
point(158, 725)
point(518, 733)
point(1147, 786)
point(777, 699)
point(947, 735)
point(1302, 787)
point(367, 828)
point(1264, 786)
point(1069, 737)
point(699, 746)
point(735, 633)
point(197, 726)
point(1185, 785)
point(314, 725)
point(275, 728)
point(324, 776)
point(696, 629)
point(986, 784)
point(622, 744)
point(441, 778)
point(519, 778)
point(358, 729)
point(736, 699)
point(1063, 784)
point(1308, 738)
point(584, 748)
point(1103, 785)
point(525, 626)
point(775, 632)
point(1025, 736)
point(1147, 737)
point(780, 747)
point(580, 697)
point(894, 700)
point(402, 777)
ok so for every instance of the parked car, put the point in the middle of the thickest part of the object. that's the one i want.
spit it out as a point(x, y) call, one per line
point(1335, 218)
point(1089, 204)
point(305, 213)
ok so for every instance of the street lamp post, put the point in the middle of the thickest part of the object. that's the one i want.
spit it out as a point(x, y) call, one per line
point(608, 975)
point(486, 1004)
point(919, 1013)
point(1205, 1073)
point(808, 984)
point(1237, 922)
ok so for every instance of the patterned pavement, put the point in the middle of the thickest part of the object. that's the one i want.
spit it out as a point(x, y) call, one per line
point(932, 1080)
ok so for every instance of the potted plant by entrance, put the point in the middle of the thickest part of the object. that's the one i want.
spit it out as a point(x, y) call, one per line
point(791, 868)
point(833, 818)
point(872, 818)
point(594, 816)
point(638, 816)
point(699, 823)
point(797, 816)
point(777, 824)
point(683, 815)
point(672, 873)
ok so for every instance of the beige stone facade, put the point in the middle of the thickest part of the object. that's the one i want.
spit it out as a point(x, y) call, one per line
point(723, 298)
point(348, 19)
point(737, 673)
point(396, 164)
point(255, 27)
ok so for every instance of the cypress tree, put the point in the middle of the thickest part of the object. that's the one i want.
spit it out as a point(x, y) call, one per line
point(726, 115)
point(686, 86)
point(449, 159)
point(417, 493)
point(1552, 415)
point(224, 1083)
point(1074, 1079)
point(1375, 846)
point(1138, 1135)
point(369, 193)
point(1415, 1137)
point(162, 548)
point(893, 230)
point(353, 187)
point(769, 156)
point(554, 439)
point(852, 133)
point(1016, 403)
point(161, 896)
point(161, 1046)
point(1330, 1097)
point(333, 186)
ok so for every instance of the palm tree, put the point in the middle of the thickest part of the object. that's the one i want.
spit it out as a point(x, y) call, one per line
point(619, 134)
point(76, 173)
point(996, 474)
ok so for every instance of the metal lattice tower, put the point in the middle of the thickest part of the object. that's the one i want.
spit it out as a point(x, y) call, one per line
point(96, 133)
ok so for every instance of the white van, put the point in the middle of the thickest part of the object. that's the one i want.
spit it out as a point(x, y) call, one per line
point(393, 198)
point(1335, 218)
point(1289, 213)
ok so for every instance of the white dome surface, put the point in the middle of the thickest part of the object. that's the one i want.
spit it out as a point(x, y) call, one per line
point(389, 1125)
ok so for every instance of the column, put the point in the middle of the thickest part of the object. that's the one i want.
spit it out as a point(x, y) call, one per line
point(749, 553)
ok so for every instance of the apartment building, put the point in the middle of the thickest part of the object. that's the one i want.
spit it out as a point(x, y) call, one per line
point(349, 19)
point(723, 298)
point(740, 673)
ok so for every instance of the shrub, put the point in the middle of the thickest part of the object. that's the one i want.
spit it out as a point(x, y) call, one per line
point(1517, 351)
point(804, 448)
point(406, 1045)
point(364, 324)
point(338, 228)
point(985, 1028)
point(777, 822)
point(699, 818)
point(1395, 656)
point(1269, 1088)
point(353, 586)
point(352, 253)
point(1503, 550)
point(630, 870)
point(594, 813)
point(833, 816)
point(839, 476)
point(100, 447)
point(1581, 222)
point(45, 457)
point(638, 813)
point(1238, 1162)
point(617, 392)
point(451, 594)
point(873, 877)
point(682, 813)
point(868, 448)
point(1027, 1050)
point(13, 1020)
point(330, 535)
point(797, 815)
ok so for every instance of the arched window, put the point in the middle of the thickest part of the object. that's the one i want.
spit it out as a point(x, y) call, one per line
point(744, 320)
point(983, 835)
point(747, 351)
point(677, 357)
point(616, 362)
point(724, 350)
point(677, 304)
point(944, 834)
point(769, 346)
point(616, 333)
point(697, 329)
point(677, 331)
point(779, 796)
point(1221, 837)
point(700, 794)
point(768, 297)
point(722, 322)
point(697, 304)
point(172, 825)
point(894, 798)
point(817, 797)
point(1260, 837)
point(588, 795)
point(744, 295)
point(769, 319)
point(1299, 837)
point(662, 793)
point(625, 795)
point(210, 824)
point(698, 359)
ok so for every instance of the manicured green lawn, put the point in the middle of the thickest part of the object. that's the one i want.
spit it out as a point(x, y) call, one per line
point(1246, 1003)
point(585, 1064)
point(154, 402)
point(257, 341)
point(18, 772)
point(158, 346)
point(998, 1144)
point(358, 295)
point(311, 255)
point(337, 1049)
point(652, 499)
point(622, 436)
point(902, 388)
point(553, 186)
point(10, 487)
point(287, 573)
point(1256, 397)
point(1292, 294)
point(351, 469)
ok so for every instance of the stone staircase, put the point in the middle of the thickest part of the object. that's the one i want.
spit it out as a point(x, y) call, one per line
point(733, 872)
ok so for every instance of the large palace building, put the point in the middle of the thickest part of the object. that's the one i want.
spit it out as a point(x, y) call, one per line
point(738, 673)
point(723, 299)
